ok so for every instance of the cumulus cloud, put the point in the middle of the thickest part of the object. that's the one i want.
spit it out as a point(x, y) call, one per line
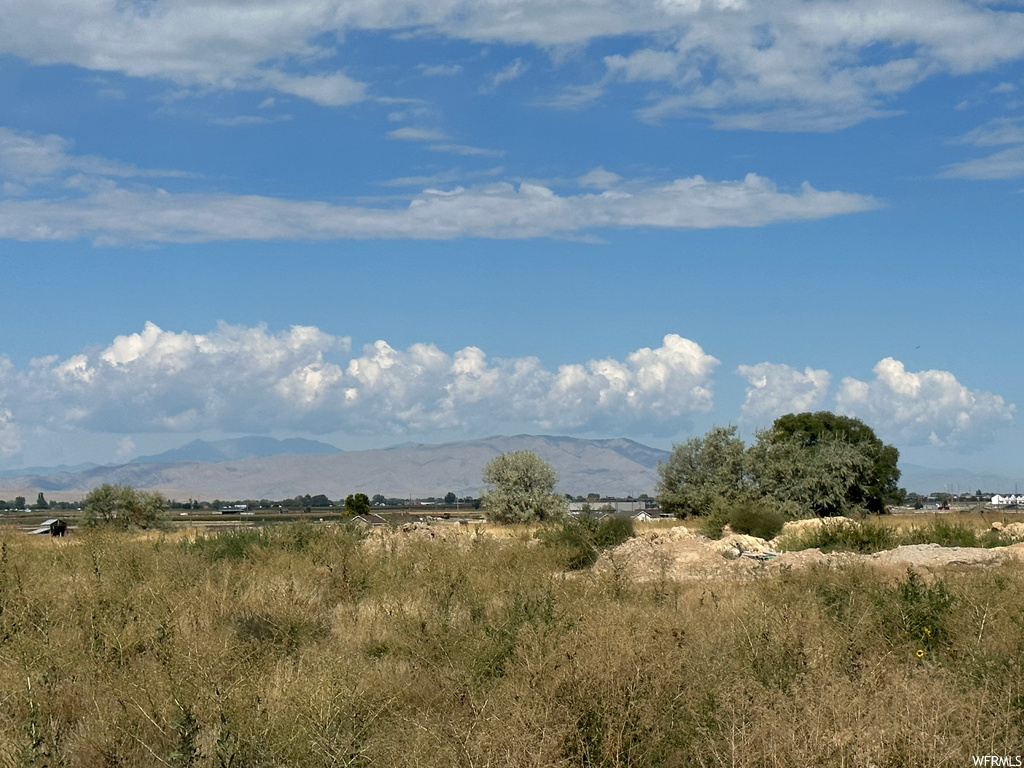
point(717, 58)
point(927, 407)
point(774, 389)
point(239, 379)
point(10, 434)
point(94, 205)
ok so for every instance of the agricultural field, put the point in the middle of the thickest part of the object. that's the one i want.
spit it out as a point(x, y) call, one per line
point(446, 645)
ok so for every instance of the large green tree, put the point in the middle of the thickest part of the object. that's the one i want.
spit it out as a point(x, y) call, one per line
point(826, 463)
point(702, 472)
point(122, 506)
point(524, 489)
point(357, 504)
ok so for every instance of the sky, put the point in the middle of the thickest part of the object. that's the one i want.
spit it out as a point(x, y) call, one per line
point(372, 222)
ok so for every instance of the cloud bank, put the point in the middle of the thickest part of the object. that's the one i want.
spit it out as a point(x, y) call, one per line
point(51, 194)
point(238, 379)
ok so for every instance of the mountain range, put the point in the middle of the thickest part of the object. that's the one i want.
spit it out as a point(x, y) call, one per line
point(266, 468)
point(612, 467)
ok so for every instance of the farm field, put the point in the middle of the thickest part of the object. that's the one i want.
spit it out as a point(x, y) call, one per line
point(304, 645)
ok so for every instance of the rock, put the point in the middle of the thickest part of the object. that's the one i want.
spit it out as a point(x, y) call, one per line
point(736, 544)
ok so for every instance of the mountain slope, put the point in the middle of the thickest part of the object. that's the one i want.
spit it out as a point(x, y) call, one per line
point(616, 467)
point(236, 448)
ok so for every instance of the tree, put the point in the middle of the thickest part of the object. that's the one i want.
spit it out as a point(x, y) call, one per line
point(449, 498)
point(799, 481)
point(702, 472)
point(357, 504)
point(41, 502)
point(122, 506)
point(851, 465)
point(524, 486)
point(19, 502)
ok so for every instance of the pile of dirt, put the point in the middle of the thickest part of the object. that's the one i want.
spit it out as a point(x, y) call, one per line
point(389, 538)
point(680, 554)
point(677, 554)
point(1010, 529)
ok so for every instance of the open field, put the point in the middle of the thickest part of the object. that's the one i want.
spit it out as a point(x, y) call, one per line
point(304, 645)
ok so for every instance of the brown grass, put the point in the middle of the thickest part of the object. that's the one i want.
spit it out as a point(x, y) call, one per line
point(307, 647)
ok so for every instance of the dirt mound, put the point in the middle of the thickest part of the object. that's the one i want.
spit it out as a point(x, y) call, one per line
point(680, 554)
point(933, 555)
point(676, 554)
point(1016, 530)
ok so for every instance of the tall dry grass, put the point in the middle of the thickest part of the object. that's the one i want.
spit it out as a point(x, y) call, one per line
point(303, 646)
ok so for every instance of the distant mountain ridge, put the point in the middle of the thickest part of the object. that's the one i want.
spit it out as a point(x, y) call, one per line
point(615, 466)
point(236, 448)
point(265, 468)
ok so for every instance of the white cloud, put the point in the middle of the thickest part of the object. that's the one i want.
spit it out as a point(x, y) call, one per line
point(439, 70)
point(334, 89)
point(72, 205)
point(714, 58)
point(513, 71)
point(928, 407)
point(417, 134)
point(230, 122)
point(996, 132)
point(463, 149)
point(29, 158)
point(10, 434)
point(239, 379)
point(774, 389)
point(1005, 164)
point(599, 178)
point(450, 176)
point(125, 448)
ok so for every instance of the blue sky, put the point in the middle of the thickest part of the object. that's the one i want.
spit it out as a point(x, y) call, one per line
point(374, 222)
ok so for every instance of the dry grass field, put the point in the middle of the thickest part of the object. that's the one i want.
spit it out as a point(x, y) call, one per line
point(303, 645)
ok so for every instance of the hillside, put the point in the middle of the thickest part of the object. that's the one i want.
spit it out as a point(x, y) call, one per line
point(615, 467)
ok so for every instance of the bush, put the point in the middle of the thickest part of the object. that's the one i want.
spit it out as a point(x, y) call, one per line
point(584, 538)
point(121, 506)
point(750, 518)
point(226, 545)
point(754, 520)
point(943, 533)
point(864, 538)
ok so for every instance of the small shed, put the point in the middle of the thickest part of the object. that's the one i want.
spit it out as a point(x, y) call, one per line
point(54, 526)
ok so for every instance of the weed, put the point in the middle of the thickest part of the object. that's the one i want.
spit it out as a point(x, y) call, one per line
point(847, 536)
point(583, 539)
